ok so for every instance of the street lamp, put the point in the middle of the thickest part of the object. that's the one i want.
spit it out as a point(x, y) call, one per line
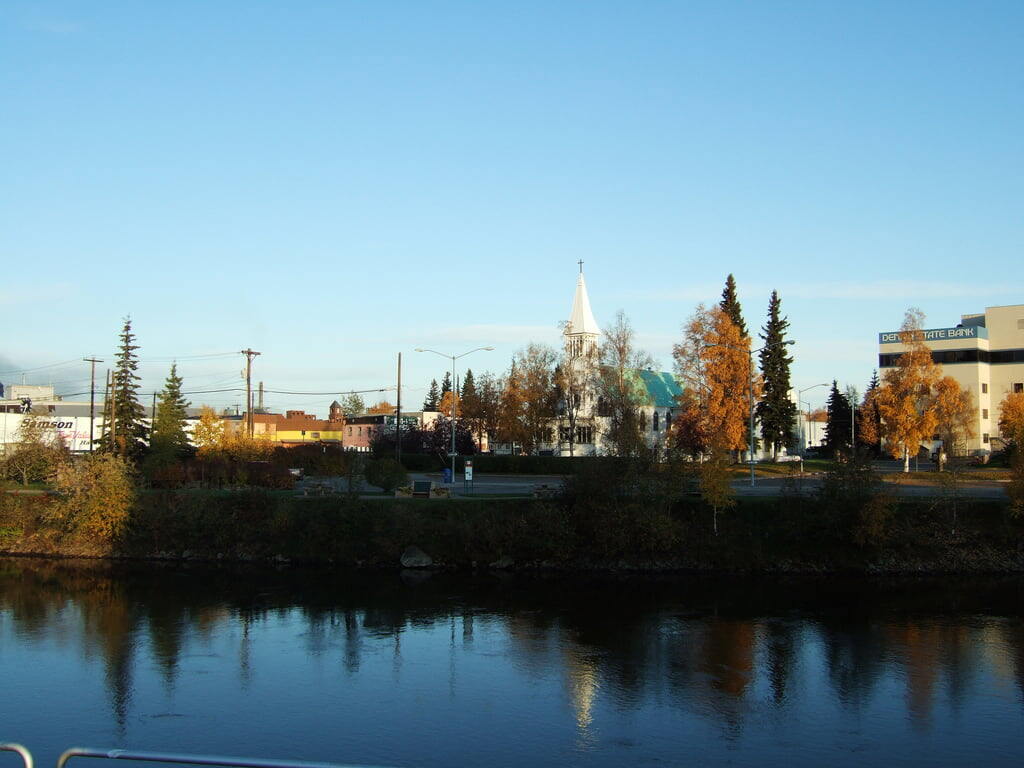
point(807, 421)
point(453, 358)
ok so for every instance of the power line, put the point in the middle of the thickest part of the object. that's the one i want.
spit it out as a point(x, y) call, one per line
point(41, 367)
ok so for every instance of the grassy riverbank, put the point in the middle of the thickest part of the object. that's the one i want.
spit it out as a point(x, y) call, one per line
point(785, 535)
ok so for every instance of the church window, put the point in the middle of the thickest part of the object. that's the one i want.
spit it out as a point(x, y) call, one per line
point(654, 422)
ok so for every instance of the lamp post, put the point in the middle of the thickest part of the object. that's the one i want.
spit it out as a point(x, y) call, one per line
point(807, 421)
point(453, 358)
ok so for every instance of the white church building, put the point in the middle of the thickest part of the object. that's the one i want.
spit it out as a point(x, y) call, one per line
point(582, 339)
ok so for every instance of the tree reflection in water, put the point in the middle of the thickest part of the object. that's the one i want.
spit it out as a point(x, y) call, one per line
point(721, 651)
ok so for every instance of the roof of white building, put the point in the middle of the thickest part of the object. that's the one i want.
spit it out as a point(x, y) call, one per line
point(582, 319)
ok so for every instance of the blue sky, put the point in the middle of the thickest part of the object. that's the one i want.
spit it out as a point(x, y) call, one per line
point(332, 183)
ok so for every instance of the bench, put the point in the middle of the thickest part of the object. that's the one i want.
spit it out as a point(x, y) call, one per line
point(421, 489)
point(545, 491)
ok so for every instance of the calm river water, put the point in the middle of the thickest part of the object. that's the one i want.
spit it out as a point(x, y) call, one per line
point(442, 670)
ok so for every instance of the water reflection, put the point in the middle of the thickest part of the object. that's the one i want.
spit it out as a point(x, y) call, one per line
point(722, 653)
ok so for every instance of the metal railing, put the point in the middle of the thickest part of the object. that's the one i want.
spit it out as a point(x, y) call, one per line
point(26, 756)
point(173, 757)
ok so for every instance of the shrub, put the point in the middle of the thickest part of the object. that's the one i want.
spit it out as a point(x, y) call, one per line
point(386, 474)
point(96, 493)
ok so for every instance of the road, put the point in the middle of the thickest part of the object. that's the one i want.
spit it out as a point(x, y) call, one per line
point(518, 485)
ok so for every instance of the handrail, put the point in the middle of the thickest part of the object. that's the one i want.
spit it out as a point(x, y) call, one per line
point(26, 756)
point(175, 757)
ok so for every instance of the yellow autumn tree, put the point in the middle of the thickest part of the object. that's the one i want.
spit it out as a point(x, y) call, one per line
point(445, 404)
point(714, 363)
point(382, 407)
point(905, 397)
point(208, 433)
point(954, 415)
point(215, 437)
point(1011, 418)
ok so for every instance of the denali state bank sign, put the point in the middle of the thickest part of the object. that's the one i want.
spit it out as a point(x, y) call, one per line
point(939, 334)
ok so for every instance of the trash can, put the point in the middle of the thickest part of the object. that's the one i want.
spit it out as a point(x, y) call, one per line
point(446, 475)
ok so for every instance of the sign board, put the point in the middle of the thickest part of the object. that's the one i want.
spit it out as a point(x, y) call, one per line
point(469, 470)
point(939, 334)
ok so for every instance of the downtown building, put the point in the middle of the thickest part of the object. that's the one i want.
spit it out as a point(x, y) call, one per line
point(984, 353)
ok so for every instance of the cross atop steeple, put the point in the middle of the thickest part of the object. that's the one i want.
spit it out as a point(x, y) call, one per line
point(580, 262)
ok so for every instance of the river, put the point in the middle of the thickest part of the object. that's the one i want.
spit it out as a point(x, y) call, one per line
point(414, 669)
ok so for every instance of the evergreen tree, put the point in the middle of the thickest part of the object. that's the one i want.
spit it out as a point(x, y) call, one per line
point(837, 428)
point(168, 437)
point(468, 385)
point(731, 305)
point(124, 431)
point(446, 384)
point(776, 412)
point(433, 399)
point(869, 418)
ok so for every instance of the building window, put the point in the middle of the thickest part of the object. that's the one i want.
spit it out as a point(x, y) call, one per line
point(563, 434)
point(1018, 387)
point(360, 430)
point(984, 413)
point(350, 430)
point(984, 438)
point(984, 387)
point(654, 422)
point(584, 435)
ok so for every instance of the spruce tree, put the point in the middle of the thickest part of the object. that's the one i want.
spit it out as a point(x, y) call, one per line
point(837, 428)
point(730, 304)
point(433, 397)
point(469, 402)
point(446, 384)
point(869, 417)
point(468, 395)
point(124, 431)
point(168, 437)
point(776, 412)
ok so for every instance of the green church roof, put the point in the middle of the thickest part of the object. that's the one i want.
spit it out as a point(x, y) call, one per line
point(662, 388)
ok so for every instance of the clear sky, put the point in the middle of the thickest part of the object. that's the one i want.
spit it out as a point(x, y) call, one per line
point(331, 183)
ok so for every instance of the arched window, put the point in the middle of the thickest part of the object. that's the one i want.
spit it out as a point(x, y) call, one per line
point(654, 422)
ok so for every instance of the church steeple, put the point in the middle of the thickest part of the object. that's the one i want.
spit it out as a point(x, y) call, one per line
point(582, 331)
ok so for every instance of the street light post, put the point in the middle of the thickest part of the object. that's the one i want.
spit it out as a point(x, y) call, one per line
point(453, 358)
point(807, 421)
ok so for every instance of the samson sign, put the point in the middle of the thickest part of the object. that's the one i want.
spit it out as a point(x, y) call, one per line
point(939, 334)
point(72, 430)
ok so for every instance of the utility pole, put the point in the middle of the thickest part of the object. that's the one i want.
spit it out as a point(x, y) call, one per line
point(249, 355)
point(106, 408)
point(113, 413)
point(398, 413)
point(92, 396)
point(152, 420)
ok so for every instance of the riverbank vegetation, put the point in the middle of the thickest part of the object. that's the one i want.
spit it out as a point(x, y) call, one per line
point(640, 517)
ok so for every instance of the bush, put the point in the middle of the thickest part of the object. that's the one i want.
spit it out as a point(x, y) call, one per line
point(386, 474)
point(96, 495)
